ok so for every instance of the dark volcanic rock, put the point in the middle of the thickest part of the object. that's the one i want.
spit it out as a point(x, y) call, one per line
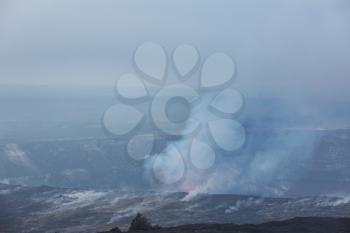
point(45, 209)
point(296, 225)
point(140, 223)
point(114, 230)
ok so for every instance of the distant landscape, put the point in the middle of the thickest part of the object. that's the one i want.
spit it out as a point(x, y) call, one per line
point(47, 209)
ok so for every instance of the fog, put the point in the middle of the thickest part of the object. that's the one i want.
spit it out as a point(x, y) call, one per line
point(292, 59)
point(298, 47)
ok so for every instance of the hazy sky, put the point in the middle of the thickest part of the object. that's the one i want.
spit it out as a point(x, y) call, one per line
point(292, 49)
point(296, 46)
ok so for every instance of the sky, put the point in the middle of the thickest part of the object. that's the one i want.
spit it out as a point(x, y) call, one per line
point(279, 46)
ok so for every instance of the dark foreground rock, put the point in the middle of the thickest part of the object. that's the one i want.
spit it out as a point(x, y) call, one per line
point(295, 225)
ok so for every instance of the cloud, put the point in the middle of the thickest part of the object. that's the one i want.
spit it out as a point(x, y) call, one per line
point(17, 156)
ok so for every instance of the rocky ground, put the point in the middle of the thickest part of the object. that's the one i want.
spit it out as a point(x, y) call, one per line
point(47, 209)
point(295, 225)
